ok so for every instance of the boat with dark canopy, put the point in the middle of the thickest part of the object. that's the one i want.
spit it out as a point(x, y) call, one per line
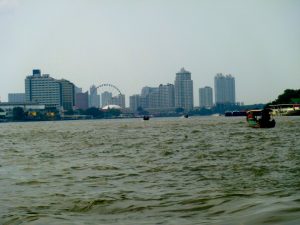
point(260, 118)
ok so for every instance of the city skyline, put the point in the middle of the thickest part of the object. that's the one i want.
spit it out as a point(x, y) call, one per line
point(132, 44)
point(165, 96)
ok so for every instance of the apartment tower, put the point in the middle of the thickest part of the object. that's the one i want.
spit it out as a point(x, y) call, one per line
point(184, 97)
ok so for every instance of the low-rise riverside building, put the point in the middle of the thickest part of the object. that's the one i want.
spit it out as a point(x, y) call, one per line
point(8, 107)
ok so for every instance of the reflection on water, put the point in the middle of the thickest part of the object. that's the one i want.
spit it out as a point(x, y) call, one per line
point(204, 170)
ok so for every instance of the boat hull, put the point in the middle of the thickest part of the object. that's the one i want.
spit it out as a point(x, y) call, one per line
point(259, 124)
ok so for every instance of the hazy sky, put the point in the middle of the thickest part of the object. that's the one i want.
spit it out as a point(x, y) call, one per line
point(136, 43)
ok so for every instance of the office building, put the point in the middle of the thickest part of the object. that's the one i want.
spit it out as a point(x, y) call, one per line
point(94, 97)
point(134, 102)
point(184, 97)
point(46, 90)
point(106, 98)
point(149, 97)
point(67, 94)
point(16, 97)
point(43, 89)
point(144, 102)
point(153, 99)
point(119, 100)
point(82, 100)
point(147, 90)
point(206, 97)
point(78, 90)
point(166, 96)
point(224, 89)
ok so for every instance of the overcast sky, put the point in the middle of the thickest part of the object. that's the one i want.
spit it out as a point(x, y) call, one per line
point(136, 43)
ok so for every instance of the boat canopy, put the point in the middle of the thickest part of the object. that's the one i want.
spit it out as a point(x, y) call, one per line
point(255, 112)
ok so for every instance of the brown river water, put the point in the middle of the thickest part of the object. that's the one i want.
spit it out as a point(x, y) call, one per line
point(200, 170)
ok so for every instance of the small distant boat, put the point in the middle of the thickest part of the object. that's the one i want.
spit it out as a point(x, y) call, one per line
point(146, 117)
point(216, 114)
point(260, 119)
point(235, 113)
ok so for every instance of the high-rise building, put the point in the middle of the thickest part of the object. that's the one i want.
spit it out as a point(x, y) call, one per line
point(134, 102)
point(67, 94)
point(153, 99)
point(46, 90)
point(106, 99)
point(94, 97)
point(122, 102)
point(206, 97)
point(78, 90)
point(184, 97)
point(43, 89)
point(230, 83)
point(119, 100)
point(149, 97)
point(166, 96)
point(144, 102)
point(148, 90)
point(16, 97)
point(224, 89)
point(82, 100)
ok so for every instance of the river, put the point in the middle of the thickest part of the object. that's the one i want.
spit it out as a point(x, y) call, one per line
point(200, 170)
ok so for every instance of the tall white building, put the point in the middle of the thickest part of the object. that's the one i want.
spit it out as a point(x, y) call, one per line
point(148, 90)
point(43, 89)
point(134, 102)
point(184, 97)
point(149, 97)
point(166, 96)
point(94, 98)
point(106, 98)
point(153, 99)
point(224, 89)
point(46, 90)
point(119, 100)
point(206, 97)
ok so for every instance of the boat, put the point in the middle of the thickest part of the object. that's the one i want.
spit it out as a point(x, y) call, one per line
point(235, 113)
point(285, 110)
point(146, 117)
point(216, 114)
point(260, 118)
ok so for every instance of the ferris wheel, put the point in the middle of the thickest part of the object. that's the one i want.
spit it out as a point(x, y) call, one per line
point(110, 86)
point(111, 95)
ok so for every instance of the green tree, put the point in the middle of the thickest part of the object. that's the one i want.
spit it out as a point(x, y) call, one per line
point(18, 114)
point(113, 112)
point(69, 112)
point(95, 112)
point(287, 97)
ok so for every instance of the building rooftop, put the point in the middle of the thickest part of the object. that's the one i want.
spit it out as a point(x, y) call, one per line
point(111, 107)
point(182, 70)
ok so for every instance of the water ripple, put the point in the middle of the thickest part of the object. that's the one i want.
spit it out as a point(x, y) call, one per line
point(205, 170)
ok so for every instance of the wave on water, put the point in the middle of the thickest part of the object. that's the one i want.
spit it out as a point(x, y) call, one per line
point(204, 170)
